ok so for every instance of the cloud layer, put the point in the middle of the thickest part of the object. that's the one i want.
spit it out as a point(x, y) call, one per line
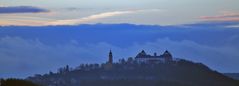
point(96, 17)
point(225, 16)
point(21, 9)
point(41, 21)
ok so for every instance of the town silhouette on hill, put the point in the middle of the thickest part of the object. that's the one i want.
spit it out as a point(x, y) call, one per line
point(142, 70)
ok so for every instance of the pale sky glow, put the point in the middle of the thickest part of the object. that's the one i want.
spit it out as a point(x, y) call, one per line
point(96, 17)
point(71, 12)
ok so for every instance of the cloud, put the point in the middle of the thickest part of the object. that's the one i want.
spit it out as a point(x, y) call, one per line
point(225, 16)
point(233, 26)
point(96, 17)
point(26, 20)
point(21, 9)
point(22, 22)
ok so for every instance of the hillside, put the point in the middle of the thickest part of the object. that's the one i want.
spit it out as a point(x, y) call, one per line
point(16, 82)
point(131, 73)
point(232, 75)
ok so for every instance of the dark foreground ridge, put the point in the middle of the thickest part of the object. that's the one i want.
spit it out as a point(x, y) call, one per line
point(143, 70)
point(16, 82)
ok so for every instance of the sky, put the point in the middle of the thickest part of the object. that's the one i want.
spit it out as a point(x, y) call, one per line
point(73, 12)
point(71, 32)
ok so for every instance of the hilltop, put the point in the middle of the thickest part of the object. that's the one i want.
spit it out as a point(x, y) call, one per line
point(143, 70)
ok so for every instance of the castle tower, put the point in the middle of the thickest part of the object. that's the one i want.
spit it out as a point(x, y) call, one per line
point(168, 56)
point(110, 59)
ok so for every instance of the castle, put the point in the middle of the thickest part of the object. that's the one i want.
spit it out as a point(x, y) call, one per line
point(143, 57)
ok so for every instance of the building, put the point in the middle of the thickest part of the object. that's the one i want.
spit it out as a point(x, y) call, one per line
point(109, 63)
point(143, 57)
point(110, 59)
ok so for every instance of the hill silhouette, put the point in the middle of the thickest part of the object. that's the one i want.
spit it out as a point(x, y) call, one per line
point(130, 73)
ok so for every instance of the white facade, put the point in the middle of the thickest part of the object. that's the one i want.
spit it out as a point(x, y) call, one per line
point(146, 60)
point(142, 57)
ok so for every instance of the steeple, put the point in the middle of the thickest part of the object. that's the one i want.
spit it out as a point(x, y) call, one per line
point(110, 59)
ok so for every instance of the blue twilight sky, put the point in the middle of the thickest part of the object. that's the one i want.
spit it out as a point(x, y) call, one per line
point(37, 36)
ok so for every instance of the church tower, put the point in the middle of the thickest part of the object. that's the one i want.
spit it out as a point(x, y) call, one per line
point(109, 63)
point(110, 59)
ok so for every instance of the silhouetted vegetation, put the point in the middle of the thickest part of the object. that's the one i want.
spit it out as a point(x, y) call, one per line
point(130, 83)
point(16, 82)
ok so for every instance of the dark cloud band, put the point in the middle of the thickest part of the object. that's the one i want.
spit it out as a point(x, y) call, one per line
point(21, 9)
